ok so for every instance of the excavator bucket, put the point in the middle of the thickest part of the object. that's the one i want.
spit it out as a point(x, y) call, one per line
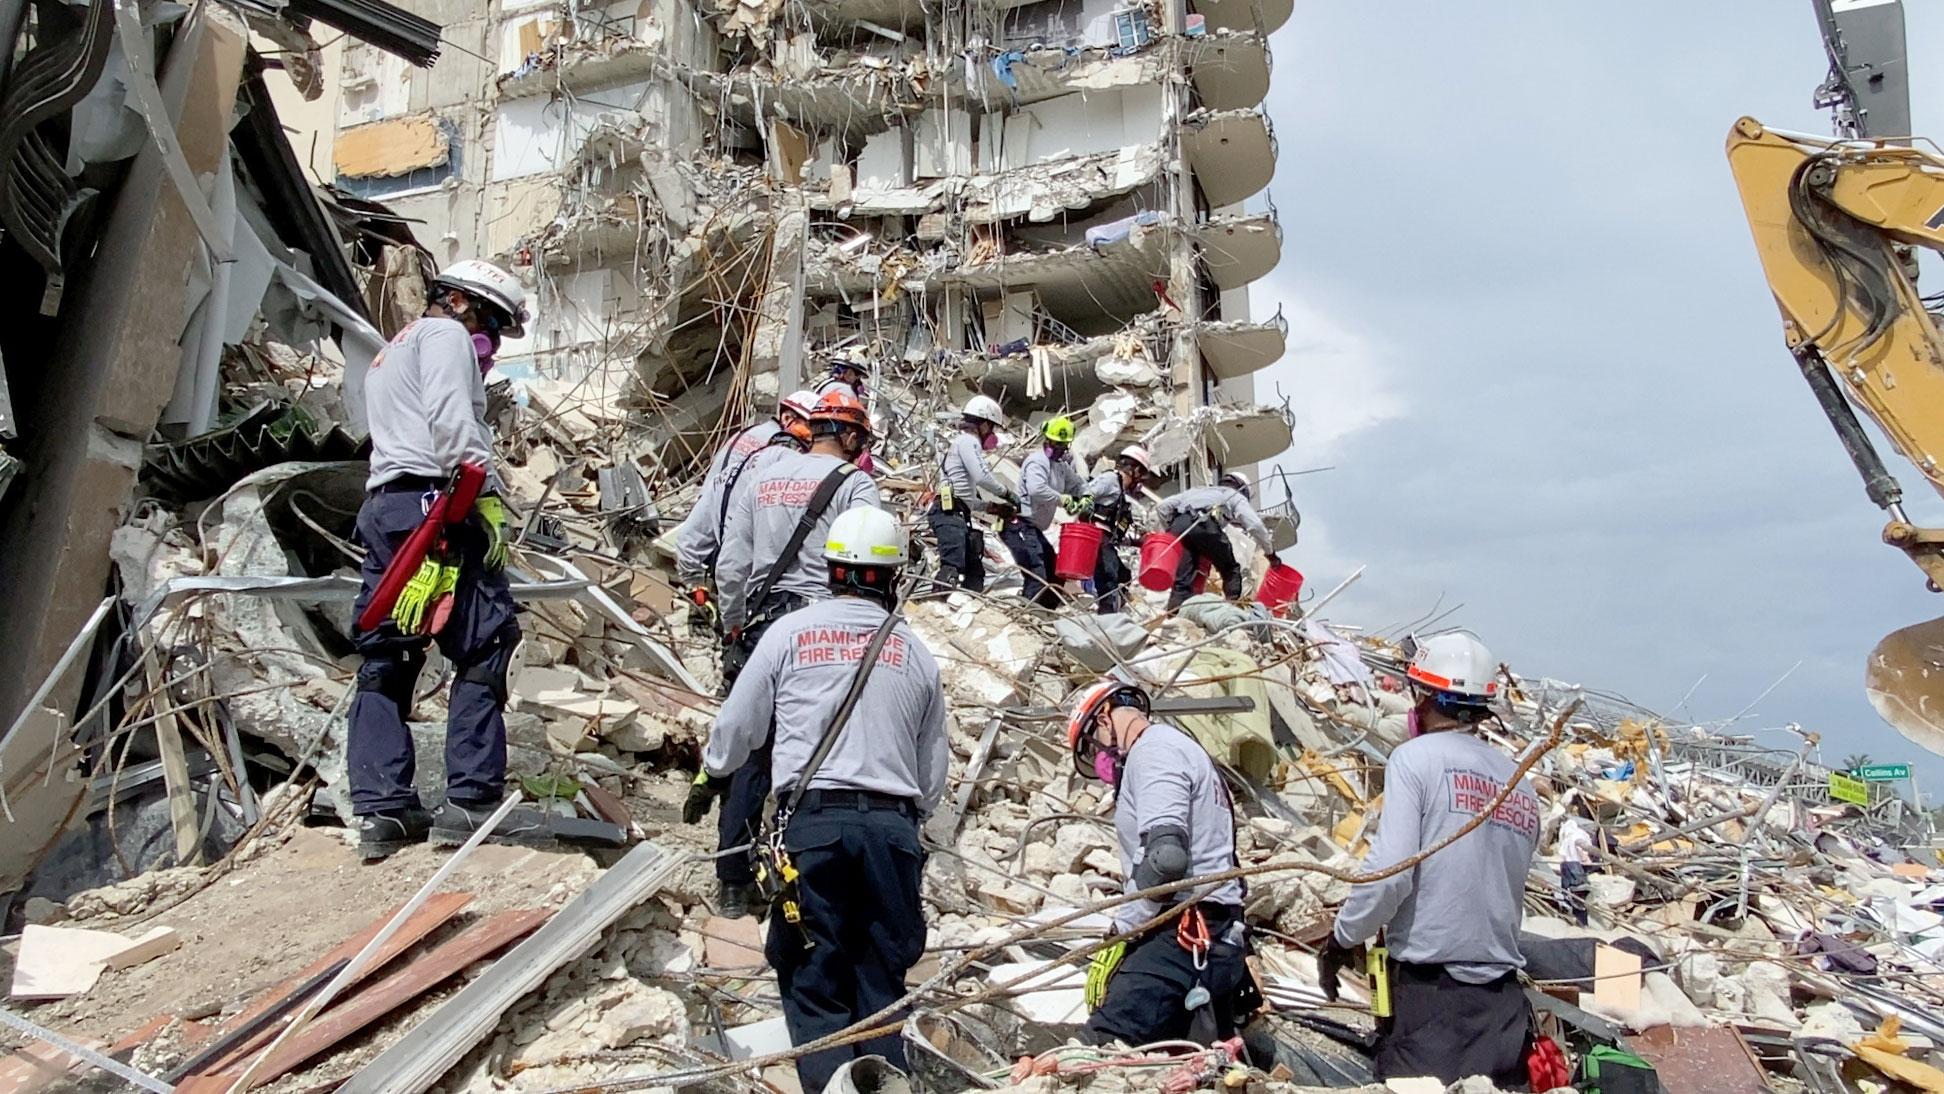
point(1905, 682)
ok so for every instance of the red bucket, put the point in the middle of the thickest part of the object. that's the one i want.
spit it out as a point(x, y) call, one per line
point(1160, 554)
point(1280, 587)
point(1079, 550)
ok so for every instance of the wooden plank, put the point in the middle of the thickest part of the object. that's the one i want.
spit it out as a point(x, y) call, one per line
point(1704, 1060)
point(606, 806)
point(437, 911)
point(354, 1013)
point(423, 1056)
point(175, 771)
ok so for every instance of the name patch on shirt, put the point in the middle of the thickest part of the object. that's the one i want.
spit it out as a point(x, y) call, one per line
point(793, 493)
point(1471, 792)
point(831, 646)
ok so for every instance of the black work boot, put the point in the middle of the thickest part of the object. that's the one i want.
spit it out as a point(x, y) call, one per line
point(457, 821)
point(732, 900)
point(383, 834)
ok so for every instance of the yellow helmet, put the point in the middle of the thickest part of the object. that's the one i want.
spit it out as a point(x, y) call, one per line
point(1059, 430)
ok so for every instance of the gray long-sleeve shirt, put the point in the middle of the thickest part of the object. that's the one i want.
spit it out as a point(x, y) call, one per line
point(1233, 506)
point(1043, 481)
point(1460, 907)
point(894, 742)
point(1168, 780)
point(701, 533)
point(425, 403)
point(964, 469)
point(762, 519)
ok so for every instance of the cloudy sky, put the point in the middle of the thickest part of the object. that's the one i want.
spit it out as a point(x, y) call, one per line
point(1528, 328)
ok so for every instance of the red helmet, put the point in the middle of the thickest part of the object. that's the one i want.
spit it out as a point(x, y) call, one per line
point(842, 409)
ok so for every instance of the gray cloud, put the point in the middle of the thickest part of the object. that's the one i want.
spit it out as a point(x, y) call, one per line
point(1529, 328)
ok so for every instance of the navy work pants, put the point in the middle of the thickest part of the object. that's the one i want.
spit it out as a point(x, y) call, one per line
point(1145, 997)
point(1034, 554)
point(478, 640)
point(1202, 538)
point(1445, 1028)
point(863, 927)
point(1110, 580)
point(961, 546)
point(741, 811)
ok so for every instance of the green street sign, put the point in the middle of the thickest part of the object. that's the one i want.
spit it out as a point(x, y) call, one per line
point(1882, 773)
point(1845, 789)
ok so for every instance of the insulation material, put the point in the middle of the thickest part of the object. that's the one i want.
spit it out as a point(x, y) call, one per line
point(388, 148)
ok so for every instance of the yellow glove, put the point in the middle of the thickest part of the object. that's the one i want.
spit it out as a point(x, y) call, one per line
point(1100, 970)
point(493, 510)
point(415, 599)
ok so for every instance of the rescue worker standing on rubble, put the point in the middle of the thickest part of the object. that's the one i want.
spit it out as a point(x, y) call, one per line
point(1196, 518)
point(846, 376)
point(1451, 922)
point(853, 836)
point(1108, 503)
point(1186, 979)
point(425, 400)
point(962, 475)
point(772, 563)
point(699, 540)
point(1047, 481)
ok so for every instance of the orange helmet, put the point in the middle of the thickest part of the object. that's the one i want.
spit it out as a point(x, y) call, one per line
point(1101, 696)
point(842, 409)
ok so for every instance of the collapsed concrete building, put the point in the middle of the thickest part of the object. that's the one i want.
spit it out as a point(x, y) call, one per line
point(1046, 202)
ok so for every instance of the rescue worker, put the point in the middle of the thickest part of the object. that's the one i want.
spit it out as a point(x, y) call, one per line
point(699, 539)
point(1450, 923)
point(1047, 480)
point(847, 376)
point(1196, 517)
point(1108, 503)
point(1186, 979)
point(425, 400)
point(762, 578)
point(853, 838)
point(962, 475)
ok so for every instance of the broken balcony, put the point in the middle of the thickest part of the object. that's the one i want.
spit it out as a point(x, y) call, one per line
point(1263, 17)
point(1241, 347)
point(1230, 68)
point(1240, 248)
point(542, 53)
point(1232, 153)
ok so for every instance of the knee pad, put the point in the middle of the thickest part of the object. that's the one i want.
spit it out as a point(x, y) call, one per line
point(391, 675)
point(489, 668)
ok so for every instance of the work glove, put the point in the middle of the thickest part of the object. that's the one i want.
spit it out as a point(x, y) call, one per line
point(704, 616)
point(1075, 505)
point(414, 604)
point(701, 796)
point(1100, 970)
point(493, 511)
point(1330, 963)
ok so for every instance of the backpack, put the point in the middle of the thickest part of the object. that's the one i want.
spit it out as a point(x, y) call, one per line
point(1609, 1069)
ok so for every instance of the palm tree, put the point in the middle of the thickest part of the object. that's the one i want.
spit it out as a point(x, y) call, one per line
point(1856, 760)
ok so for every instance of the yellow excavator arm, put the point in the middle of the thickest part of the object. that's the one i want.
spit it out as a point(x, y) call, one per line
point(1834, 221)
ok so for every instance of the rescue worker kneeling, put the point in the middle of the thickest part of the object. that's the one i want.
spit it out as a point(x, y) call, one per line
point(1187, 979)
point(847, 923)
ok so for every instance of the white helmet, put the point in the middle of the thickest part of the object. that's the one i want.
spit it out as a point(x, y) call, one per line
point(493, 285)
point(986, 409)
point(1137, 455)
point(866, 536)
point(1456, 665)
point(800, 403)
point(1236, 479)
